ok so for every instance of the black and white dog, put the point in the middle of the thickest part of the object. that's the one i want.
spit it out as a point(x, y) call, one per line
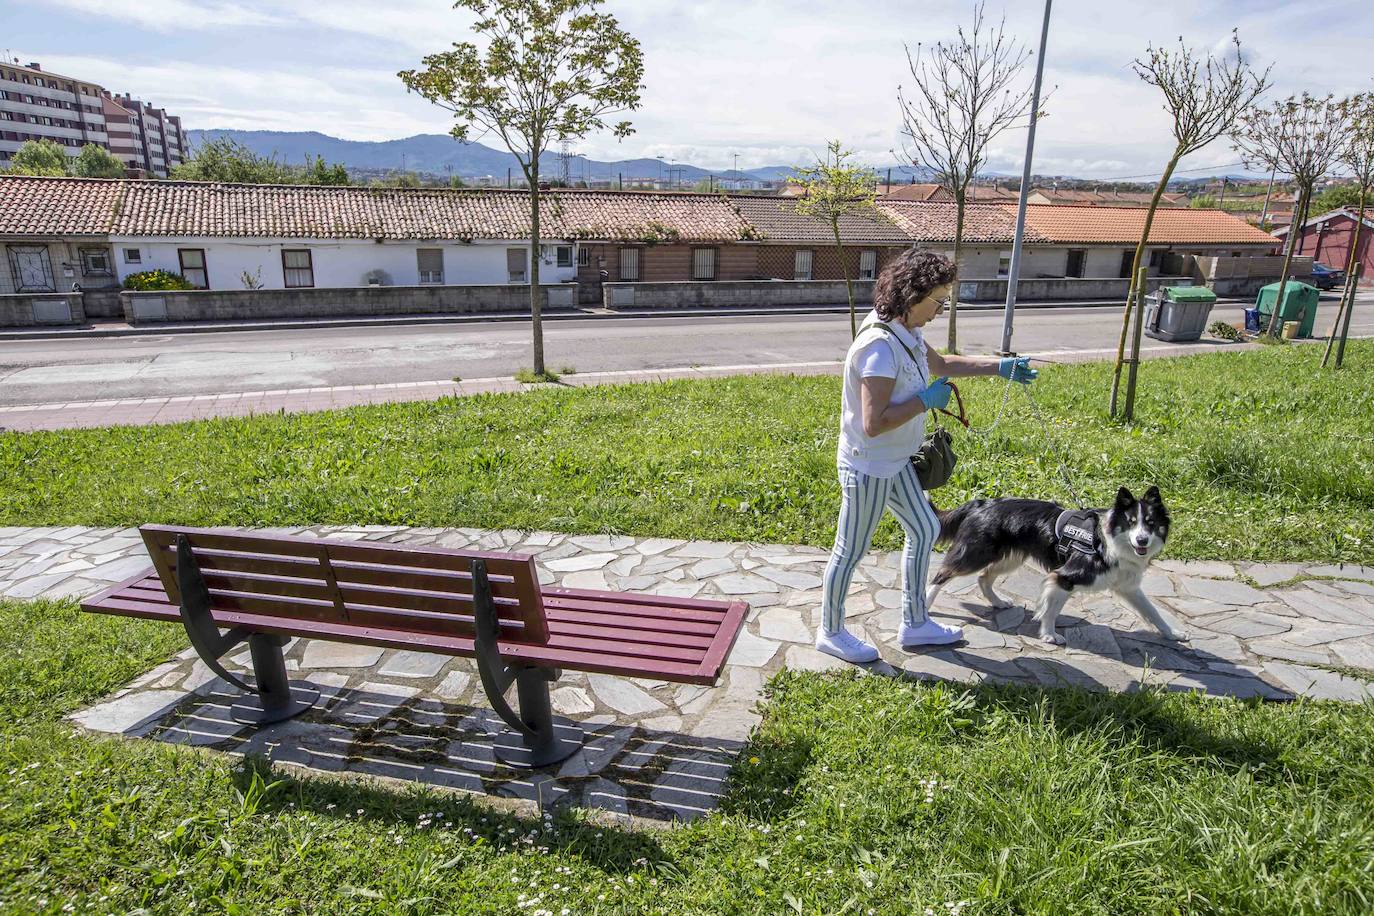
point(1092, 550)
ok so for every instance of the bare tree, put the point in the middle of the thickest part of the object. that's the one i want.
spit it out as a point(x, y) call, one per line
point(832, 189)
point(1358, 156)
point(967, 92)
point(1301, 136)
point(551, 70)
point(1203, 95)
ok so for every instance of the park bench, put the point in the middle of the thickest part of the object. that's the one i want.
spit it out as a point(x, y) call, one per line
point(229, 587)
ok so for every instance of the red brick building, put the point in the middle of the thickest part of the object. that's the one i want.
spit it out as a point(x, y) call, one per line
point(1328, 237)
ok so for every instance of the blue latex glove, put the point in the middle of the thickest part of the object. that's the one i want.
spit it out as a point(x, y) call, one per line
point(1017, 369)
point(937, 394)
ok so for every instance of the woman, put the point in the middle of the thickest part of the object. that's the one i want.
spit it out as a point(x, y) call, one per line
point(888, 390)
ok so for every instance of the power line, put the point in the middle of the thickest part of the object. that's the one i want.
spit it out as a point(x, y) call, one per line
point(1205, 168)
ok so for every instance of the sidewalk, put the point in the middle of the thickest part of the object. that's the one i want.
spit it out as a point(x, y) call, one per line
point(662, 750)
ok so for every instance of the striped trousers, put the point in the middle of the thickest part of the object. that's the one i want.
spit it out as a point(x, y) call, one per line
point(864, 499)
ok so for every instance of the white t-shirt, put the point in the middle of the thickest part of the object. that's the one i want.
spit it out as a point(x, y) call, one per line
point(873, 354)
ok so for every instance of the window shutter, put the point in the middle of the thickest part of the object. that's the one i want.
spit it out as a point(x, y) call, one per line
point(629, 265)
point(515, 264)
point(703, 263)
point(431, 264)
point(802, 265)
point(868, 265)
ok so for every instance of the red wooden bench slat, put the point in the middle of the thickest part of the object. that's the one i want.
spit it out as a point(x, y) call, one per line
point(563, 600)
point(665, 601)
point(346, 572)
point(610, 618)
point(599, 661)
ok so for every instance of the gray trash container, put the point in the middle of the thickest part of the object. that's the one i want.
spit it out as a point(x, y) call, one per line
point(1178, 312)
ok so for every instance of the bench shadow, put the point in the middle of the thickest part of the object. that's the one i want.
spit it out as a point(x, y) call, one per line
point(624, 772)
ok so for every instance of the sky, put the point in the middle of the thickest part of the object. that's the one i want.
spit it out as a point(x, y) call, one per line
point(770, 81)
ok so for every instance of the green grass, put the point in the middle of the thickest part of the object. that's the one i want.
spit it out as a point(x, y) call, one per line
point(1261, 456)
point(1043, 802)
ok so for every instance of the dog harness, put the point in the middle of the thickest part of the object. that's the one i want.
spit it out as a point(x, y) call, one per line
point(1075, 531)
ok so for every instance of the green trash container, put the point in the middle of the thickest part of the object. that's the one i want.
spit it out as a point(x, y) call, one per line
point(1300, 304)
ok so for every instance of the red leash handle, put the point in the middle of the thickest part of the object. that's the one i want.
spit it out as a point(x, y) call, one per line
point(961, 416)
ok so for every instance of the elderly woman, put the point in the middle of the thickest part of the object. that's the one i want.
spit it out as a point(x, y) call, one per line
point(888, 390)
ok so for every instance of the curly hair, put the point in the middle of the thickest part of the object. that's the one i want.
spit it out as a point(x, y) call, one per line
point(909, 278)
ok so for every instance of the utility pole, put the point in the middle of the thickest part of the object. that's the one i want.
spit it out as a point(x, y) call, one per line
point(1264, 214)
point(1014, 271)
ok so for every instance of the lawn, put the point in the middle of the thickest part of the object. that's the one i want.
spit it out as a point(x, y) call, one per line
point(857, 795)
point(1261, 456)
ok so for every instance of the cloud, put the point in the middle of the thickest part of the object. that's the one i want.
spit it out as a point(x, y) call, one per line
point(771, 81)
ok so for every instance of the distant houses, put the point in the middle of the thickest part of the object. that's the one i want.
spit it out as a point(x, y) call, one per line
point(56, 232)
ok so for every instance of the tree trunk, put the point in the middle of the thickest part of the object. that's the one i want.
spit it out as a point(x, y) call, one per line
point(1341, 328)
point(536, 299)
point(1135, 271)
point(1294, 230)
point(848, 284)
point(961, 201)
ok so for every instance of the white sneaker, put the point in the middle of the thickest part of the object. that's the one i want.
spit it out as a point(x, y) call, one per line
point(930, 633)
point(845, 645)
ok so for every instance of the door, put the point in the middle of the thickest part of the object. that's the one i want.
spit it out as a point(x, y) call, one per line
point(31, 269)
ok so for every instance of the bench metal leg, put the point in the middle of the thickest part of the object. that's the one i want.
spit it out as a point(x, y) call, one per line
point(536, 738)
point(545, 739)
point(276, 697)
point(273, 698)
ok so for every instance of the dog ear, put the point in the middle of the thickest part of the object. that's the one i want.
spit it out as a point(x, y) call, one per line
point(1124, 499)
point(1153, 497)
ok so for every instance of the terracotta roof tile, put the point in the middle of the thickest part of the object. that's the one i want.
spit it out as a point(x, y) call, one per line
point(1094, 225)
point(62, 206)
point(935, 222)
point(57, 206)
point(916, 192)
point(778, 221)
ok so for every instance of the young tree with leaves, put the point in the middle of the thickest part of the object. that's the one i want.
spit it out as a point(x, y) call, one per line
point(97, 162)
point(551, 70)
point(1204, 95)
point(1358, 156)
point(967, 92)
point(831, 189)
point(40, 157)
point(1303, 137)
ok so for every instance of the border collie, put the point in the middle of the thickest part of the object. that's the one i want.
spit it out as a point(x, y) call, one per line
point(1093, 550)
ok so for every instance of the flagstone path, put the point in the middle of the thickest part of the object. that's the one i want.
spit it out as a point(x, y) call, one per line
point(663, 751)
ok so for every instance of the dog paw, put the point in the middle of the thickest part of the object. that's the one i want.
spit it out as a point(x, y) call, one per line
point(1001, 604)
point(1053, 639)
point(1178, 635)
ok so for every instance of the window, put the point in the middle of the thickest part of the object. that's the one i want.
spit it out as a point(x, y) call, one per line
point(297, 268)
point(703, 263)
point(431, 265)
point(1156, 257)
point(1003, 264)
point(565, 256)
point(1127, 261)
point(515, 265)
point(1075, 263)
point(584, 257)
point(629, 265)
point(95, 262)
point(868, 265)
point(133, 256)
point(31, 269)
point(192, 262)
point(801, 265)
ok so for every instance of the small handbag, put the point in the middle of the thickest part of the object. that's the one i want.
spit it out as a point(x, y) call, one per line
point(936, 458)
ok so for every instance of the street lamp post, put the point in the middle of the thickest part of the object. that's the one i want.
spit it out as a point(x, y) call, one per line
point(1014, 270)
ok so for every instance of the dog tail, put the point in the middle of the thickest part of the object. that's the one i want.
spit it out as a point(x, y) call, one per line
point(952, 519)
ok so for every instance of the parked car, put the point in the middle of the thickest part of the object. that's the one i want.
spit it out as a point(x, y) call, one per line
point(1324, 277)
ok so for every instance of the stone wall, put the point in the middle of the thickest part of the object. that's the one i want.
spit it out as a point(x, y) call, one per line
point(27, 310)
point(368, 301)
point(1060, 289)
point(102, 303)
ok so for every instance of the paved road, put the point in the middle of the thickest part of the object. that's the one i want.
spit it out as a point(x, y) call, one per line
point(56, 371)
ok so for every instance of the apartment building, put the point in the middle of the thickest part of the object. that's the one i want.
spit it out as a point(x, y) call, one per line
point(39, 105)
point(146, 139)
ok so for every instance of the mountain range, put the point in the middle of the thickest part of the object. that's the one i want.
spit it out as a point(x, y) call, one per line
point(440, 154)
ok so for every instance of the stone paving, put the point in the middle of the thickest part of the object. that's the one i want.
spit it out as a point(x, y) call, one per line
point(663, 751)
